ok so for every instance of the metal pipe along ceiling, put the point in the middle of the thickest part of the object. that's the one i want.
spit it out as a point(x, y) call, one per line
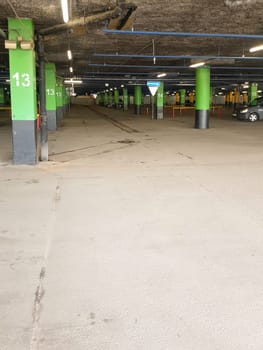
point(177, 57)
point(206, 35)
point(167, 67)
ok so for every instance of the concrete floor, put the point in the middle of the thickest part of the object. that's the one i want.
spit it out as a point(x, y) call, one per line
point(126, 240)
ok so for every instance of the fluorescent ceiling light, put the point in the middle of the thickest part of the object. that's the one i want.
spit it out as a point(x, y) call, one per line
point(64, 6)
point(161, 75)
point(69, 53)
point(256, 48)
point(71, 69)
point(198, 64)
point(73, 81)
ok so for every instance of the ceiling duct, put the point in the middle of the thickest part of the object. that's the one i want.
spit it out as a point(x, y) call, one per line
point(237, 3)
point(125, 21)
point(81, 21)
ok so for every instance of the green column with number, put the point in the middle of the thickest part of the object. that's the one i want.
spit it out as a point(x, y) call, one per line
point(159, 101)
point(182, 97)
point(2, 95)
point(116, 97)
point(51, 104)
point(23, 93)
point(125, 99)
point(64, 94)
point(202, 98)
point(59, 100)
point(253, 93)
point(137, 99)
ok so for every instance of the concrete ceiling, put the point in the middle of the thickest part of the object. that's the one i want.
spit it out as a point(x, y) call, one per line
point(85, 37)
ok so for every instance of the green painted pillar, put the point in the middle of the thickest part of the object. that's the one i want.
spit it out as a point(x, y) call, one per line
point(68, 98)
point(125, 99)
point(202, 99)
point(182, 97)
point(253, 93)
point(2, 95)
point(116, 98)
point(51, 102)
point(23, 93)
point(137, 98)
point(106, 99)
point(159, 101)
point(110, 99)
point(59, 100)
point(100, 99)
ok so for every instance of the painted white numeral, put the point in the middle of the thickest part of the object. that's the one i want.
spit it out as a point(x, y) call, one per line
point(50, 92)
point(22, 80)
point(26, 80)
point(16, 77)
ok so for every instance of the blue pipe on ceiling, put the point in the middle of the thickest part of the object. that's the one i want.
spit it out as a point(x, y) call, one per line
point(177, 57)
point(184, 34)
point(167, 67)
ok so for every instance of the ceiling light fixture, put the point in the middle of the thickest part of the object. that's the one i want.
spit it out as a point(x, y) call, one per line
point(64, 6)
point(198, 64)
point(71, 69)
point(161, 75)
point(69, 53)
point(73, 81)
point(256, 48)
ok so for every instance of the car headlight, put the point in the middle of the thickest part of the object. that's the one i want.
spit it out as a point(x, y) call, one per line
point(244, 110)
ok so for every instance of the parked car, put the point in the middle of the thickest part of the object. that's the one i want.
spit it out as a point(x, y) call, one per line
point(251, 112)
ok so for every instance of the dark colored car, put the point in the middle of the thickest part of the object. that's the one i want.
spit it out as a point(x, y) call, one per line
point(251, 112)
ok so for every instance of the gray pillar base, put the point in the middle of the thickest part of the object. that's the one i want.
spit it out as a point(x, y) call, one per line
point(125, 108)
point(159, 111)
point(25, 142)
point(202, 119)
point(59, 115)
point(137, 109)
point(51, 120)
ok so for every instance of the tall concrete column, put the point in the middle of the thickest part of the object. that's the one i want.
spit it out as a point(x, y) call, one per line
point(116, 97)
point(51, 104)
point(182, 97)
point(110, 98)
point(137, 98)
point(125, 99)
point(2, 95)
point(191, 98)
point(159, 101)
point(177, 98)
point(202, 99)
point(23, 93)
point(59, 100)
point(253, 93)
point(106, 99)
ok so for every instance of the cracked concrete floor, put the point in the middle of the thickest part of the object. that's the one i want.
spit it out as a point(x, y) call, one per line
point(134, 240)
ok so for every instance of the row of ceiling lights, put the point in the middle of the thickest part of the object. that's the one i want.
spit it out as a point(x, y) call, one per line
point(252, 49)
point(65, 13)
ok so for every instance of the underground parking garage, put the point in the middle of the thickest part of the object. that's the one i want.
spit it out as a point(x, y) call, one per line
point(130, 196)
